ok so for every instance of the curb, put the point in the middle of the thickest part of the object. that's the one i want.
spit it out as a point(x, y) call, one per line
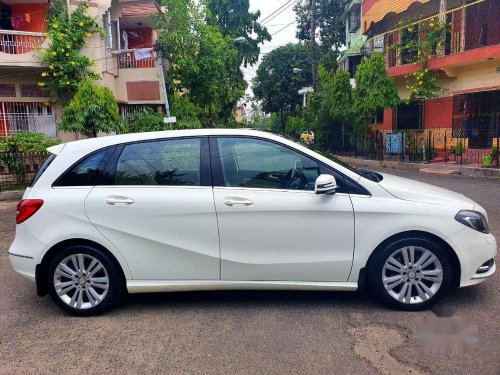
point(11, 195)
point(425, 168)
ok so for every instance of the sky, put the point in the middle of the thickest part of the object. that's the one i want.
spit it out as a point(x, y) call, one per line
point(274, 25)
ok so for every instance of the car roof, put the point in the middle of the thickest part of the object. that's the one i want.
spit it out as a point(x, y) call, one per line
point(110, 140)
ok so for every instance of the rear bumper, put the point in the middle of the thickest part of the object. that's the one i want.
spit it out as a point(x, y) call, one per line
point(25, 252)
point(473, 250)
point(23, 265)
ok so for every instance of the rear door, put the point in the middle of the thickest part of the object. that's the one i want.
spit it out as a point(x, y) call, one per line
point(157, 208)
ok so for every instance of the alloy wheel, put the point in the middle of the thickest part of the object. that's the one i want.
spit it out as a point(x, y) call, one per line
point(412, 275)
point(81, 281)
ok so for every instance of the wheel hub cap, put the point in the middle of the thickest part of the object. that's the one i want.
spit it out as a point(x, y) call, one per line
point(412, 275)
point(81, 281)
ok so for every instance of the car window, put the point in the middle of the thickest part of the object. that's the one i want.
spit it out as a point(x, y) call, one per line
point(87, 171)
point(255, 163)
point(165, 162)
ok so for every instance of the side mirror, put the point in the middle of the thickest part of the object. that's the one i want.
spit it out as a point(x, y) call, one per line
point(325, 184)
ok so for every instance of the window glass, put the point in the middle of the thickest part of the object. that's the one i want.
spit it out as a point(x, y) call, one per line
point(171, 162)
point(42, 169)
point(88, 171)
point(254, 163)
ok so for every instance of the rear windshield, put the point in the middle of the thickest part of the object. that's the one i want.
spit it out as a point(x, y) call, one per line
point(43, 168)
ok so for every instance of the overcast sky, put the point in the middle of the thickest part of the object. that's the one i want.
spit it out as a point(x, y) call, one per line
point(274, 25)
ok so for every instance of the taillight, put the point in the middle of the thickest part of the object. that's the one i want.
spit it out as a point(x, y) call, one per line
point(26, 208)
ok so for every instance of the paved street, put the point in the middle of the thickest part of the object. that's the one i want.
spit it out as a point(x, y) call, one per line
point(243, 332)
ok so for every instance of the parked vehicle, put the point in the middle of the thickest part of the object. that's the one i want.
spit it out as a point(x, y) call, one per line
point(307, 137)
point(228, 209)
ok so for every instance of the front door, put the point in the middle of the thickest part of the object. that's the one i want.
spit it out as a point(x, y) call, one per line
point(272, 225)
point(158, 210)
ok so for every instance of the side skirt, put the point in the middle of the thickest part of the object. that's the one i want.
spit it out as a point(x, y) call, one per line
point(153, 286)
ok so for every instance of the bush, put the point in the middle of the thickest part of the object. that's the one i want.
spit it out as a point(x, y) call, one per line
point(27, 143)
point(144, 120)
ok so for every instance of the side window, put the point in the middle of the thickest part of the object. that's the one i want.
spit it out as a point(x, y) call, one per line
point(164, 162)
point(254, 163)
point(88, 171)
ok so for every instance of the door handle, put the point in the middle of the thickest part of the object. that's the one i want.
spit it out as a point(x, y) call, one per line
point(237, 202)
point(119, 201)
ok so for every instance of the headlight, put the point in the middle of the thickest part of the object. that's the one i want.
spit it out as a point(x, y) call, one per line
point(474, 220)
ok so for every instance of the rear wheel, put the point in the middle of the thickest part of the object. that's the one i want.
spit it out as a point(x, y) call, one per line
point(410, 274)
point(84, 281)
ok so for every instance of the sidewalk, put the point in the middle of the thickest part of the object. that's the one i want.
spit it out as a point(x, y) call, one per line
point(444, 169)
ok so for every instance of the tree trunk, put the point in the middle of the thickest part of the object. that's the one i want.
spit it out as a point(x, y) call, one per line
point(282, 120)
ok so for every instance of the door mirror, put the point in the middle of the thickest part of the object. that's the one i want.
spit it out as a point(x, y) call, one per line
point(325, 184)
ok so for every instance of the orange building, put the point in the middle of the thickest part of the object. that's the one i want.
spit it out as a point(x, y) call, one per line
point(467, 66)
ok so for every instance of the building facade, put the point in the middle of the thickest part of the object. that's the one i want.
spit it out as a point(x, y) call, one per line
point(124, 59)
point(467, 65)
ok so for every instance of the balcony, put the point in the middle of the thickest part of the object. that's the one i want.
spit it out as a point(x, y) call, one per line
point(474, 36)
point(135, 58)
point(22, 31)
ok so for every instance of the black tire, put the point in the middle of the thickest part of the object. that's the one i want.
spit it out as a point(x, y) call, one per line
point(376, 268)
point(116, 285)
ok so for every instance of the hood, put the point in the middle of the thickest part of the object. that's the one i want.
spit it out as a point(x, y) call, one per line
point(410, 190)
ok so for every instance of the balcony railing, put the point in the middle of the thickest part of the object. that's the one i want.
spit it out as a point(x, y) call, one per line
point(21, 117)
point(19, 42)
point(135, 58)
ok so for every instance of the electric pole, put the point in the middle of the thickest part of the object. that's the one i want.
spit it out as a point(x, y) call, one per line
point(313, 46)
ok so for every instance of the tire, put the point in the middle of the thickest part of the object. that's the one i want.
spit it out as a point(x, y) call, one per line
point(425, 283)
point(89, 292)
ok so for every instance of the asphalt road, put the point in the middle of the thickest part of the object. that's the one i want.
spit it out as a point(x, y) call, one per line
point(243, 332)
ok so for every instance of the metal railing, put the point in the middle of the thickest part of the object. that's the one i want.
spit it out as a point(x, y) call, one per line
point(439, 145)
point(19, 42)
point(17, 169)
point(20, 117)
point(131, 59)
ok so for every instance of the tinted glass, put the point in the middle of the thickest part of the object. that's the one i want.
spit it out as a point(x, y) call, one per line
point(88, 171)
point(171, 162)
point(254, 163)
point(43, 168)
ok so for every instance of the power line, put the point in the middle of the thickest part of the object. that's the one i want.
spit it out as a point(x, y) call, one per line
point(272, 13)
point(283, 28)
point(277, 14)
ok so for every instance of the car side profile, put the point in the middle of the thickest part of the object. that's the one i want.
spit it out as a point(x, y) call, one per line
point(220, 209)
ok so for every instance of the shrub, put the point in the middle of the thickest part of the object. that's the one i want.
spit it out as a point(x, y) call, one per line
point(27, 143)
point(145, 120)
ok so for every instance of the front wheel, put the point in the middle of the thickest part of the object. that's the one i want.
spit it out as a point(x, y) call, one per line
point(84, 281)
point(410, 274)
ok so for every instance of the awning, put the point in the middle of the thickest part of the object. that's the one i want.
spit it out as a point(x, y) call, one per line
point(355, 49)
point(138, 8)
point(393, 16)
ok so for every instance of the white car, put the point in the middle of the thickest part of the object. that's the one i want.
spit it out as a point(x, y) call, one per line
point(237, 209)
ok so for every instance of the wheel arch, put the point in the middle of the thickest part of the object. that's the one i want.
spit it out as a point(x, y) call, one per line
point(42, 267)
point(453, 257)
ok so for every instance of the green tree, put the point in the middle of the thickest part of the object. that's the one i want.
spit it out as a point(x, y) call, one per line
point(340, 93)
point(67, 66)
point(145, 120)
point(374, 89)
point(92, 110)
point(235, 20)
point(331, 28)
point(277, 85)
point(203, 60)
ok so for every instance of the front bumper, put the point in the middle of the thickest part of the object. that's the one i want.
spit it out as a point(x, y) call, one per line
point(473, 249)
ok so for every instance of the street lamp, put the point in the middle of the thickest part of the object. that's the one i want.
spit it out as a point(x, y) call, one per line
point(297, 70)
point(240, 39)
